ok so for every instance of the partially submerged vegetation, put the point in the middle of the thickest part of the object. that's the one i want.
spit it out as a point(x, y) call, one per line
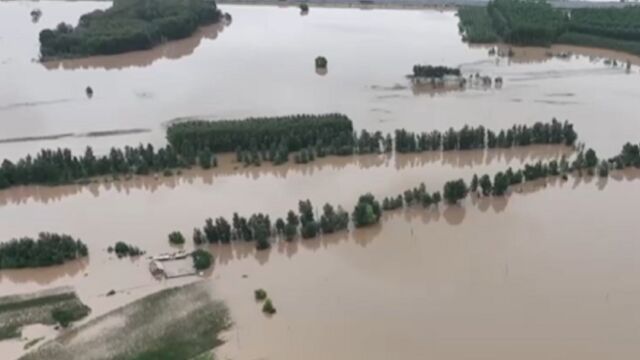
point(276, 135)
point(202, 259)
point(260, 294)
point(256, 140)
point(190, 318)
point(429, 71)
point(60, 166)
point(532, 22)
point(368, 210)
point(268, 307)
point(123, 249)
point(50, 307)
point(127, 26)
point(47, 250)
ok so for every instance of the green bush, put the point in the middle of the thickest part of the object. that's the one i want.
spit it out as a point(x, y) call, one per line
point(268, 307)
point(66, 315)
point(176, 238)
point(202, 259)
point(260, 294)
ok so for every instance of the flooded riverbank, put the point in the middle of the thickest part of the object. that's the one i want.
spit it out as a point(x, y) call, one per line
point(233, 73)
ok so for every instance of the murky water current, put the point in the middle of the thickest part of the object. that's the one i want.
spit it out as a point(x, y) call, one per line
point(548, 273)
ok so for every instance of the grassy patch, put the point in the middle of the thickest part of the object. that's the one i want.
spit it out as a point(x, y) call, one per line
point(20, 310)
point(175, 324)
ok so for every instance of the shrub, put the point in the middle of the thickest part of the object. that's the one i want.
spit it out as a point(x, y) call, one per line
point(268, 307)
point(176, 238)
point(202, 259)
point(260, 294)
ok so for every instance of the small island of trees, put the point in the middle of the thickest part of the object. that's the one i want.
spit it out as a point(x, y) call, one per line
point(438, 72)
point(127, 26)
point(47, 250)
point(321, 62)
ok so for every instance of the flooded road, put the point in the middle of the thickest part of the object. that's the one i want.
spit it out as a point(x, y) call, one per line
point(262, 64)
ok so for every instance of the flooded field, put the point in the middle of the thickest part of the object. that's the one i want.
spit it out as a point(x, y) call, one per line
point(548, 270)
point(262, 64)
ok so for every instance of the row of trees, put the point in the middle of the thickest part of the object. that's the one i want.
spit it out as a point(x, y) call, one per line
point(429, 71)
point(48, 249)
point(127, 26)
point(259, 228)
point(468, 137)
point(53, 167)
point(368, 210)
point(259, 140)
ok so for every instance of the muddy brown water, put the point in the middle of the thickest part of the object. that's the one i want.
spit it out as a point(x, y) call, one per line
point(547, 273)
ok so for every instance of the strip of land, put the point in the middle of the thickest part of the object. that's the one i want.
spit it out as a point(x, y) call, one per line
point(180, 323)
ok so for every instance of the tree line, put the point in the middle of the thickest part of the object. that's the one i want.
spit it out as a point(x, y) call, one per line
point(54, 167)
point(46, 250)
point(127, 26)
point(526, 22)
point(479, 138)
point(306, 224)
point(264, 140)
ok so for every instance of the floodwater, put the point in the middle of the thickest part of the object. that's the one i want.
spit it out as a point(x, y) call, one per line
point(262, 64)
point(546, 273)
point(550, 276)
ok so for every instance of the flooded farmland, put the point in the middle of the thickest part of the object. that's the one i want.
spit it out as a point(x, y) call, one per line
point(262, 64)
point(548, 270)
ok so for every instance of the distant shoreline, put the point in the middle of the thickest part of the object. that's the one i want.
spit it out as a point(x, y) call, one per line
point(394, 4)
point(408, 4)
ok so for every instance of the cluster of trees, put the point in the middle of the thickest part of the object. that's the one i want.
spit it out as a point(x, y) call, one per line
point(429, 71)
point(275, 136)
point(526, 22)
point(127, 26)
point(261, 295)
point(618, 23)
point(480, 138)
point(475, 25)
point(54, 167)
point(202, 259)
point(629, 156)
point(48, 249)
point(123, 249)
point(259, 228)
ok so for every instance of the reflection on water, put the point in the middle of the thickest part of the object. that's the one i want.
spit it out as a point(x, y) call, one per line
point(171, 50)
point(228, 167)
point(566, 53)
point(43, 276)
